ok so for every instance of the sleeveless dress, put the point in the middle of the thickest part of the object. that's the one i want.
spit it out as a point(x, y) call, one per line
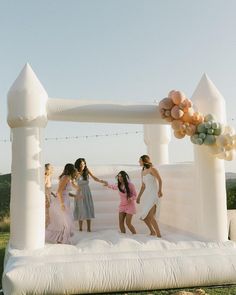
point(149, 197)
point(84, 208)
point(47, 204)
point(61, 226)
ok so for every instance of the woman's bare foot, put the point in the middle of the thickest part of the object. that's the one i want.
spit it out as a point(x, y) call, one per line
point(152, 233)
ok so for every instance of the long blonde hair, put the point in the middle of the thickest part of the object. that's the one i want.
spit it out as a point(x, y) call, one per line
point(47, 169)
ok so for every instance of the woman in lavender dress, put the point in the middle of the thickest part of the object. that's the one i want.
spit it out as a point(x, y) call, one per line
point(61, 225)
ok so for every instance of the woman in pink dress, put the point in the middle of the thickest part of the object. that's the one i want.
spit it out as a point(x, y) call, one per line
point(128, 195)
point(61, 226)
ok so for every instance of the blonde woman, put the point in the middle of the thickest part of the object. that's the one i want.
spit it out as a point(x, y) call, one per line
point(48, 186)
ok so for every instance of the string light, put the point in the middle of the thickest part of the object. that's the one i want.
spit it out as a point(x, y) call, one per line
point(89, 136)
point(84, 136)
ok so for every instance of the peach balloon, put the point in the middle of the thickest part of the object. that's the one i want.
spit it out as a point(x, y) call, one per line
point(169, 119)
point(176, 112)
point(167, 113)
point(162, 111)
point(187, 117)
point(170, 93)
point(183, 128)
point(166, 103)
point(179, 134)
point(177, 97)
point(197, 118)
point(185, 105)
point(176, 124)
point(190, 130)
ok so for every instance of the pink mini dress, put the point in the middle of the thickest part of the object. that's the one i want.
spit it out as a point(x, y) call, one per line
point(126, 205)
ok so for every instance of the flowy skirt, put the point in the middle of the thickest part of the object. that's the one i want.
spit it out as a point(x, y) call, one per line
point(61, 226)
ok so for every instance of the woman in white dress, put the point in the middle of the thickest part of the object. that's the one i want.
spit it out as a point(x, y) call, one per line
point(151, 191)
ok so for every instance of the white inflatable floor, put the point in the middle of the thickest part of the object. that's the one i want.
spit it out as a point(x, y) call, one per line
point(107, 261)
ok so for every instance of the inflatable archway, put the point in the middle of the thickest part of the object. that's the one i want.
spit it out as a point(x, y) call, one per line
point(157, 264)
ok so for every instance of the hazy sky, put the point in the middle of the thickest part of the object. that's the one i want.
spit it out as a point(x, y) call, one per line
point(120, 50)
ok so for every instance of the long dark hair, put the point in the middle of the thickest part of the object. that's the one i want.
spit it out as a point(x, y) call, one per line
point(146, 161)
point(69, 170)
point(85, 172)
point(125, 177)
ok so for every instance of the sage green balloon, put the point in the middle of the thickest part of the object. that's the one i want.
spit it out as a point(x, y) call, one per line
point(193, 138)
point(199, 141)
point(208, 124)
point(215, 125)
point(202, 135)
point(201, 128)
point(209, 117)
point(210, 139)
point(218, 131)
point(210, 131)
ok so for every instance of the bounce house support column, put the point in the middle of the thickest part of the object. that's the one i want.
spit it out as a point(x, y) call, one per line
point(210, 172)
point(27, 116)
point(157, 139)
point(27, 189)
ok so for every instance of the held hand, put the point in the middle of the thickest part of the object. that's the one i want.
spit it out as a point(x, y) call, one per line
point(138, 201)
point(105, 183)
point(160, 194)
point(79, 197)
point(63, 207)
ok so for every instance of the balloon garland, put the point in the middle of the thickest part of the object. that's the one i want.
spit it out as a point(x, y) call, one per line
point(178, 110)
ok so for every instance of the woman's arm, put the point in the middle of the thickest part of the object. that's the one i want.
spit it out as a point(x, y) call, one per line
point(62, 184)
point(141, 191)
point(133, 193)
point(75, 185)
point(112, 186)
point(95, 178)
point(155, 173)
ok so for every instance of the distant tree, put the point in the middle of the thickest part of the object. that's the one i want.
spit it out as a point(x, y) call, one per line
point(5, 188)
point(231, 193)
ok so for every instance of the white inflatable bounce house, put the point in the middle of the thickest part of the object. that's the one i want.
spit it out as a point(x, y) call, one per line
point(194, 249)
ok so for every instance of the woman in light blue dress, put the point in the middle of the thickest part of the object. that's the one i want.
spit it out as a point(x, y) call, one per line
point(83, 207)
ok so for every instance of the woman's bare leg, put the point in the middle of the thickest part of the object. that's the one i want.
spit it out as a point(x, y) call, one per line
point(154, 222)
point(122, 221)
point(149, 225)
point(88, 225)
point(129, 224)
point(80, 225)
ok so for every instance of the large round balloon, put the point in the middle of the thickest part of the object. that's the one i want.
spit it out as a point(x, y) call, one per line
point(166, 103)
point(177, 97)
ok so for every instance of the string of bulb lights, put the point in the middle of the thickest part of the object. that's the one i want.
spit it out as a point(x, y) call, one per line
point(76, 137)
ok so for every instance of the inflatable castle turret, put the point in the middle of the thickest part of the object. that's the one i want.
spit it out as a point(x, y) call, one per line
point(210, 171)
point(27, 116)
